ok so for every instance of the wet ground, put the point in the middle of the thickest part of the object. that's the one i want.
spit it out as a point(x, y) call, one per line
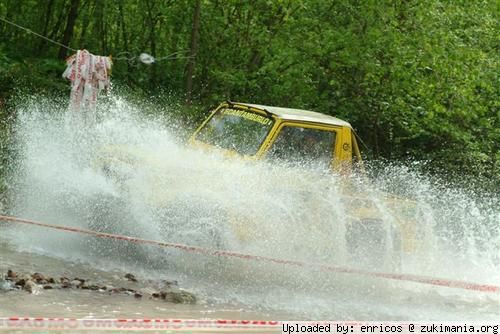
point(316, 296)
point(78, 303)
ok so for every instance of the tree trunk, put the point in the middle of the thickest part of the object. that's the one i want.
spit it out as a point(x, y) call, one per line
point(48, 15)
point(99, 25)
point(60, 18)
point(70, 24)
point(103, 28)
point(152, 42)
point(192, 52)
point(86, 22)
point(8, 33)
point(125, 45)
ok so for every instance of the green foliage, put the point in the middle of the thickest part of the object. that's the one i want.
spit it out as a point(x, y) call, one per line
point(417, 79)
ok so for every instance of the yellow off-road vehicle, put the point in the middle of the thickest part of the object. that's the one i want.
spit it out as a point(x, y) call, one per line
point(377, 228)
point(317, 142)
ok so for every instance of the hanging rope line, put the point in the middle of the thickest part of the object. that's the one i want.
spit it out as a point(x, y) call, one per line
point(148, 59)
point(36, 34)
point(124, 55)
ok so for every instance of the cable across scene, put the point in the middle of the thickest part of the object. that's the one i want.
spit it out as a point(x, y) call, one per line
point(143, 57)
point(37, 34)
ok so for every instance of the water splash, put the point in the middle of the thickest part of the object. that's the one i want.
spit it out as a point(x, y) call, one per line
point(127, 173)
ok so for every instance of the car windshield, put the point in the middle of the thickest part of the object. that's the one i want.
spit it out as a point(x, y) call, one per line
point(236, 129)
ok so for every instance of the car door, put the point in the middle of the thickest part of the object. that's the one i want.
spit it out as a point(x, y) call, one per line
point(306, 145)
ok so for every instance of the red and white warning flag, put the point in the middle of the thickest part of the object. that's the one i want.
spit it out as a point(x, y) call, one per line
point(89, 75)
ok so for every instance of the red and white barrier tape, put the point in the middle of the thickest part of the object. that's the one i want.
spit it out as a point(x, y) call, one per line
point(343, 270)
point(217, 325)
point(209, 325)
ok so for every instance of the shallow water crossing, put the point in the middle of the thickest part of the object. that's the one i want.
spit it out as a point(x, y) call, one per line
point(126, 173)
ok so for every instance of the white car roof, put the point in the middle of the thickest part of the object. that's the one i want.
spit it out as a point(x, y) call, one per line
point(297, 114)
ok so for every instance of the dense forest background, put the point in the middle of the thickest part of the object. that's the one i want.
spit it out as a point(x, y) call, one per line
point(417, 79)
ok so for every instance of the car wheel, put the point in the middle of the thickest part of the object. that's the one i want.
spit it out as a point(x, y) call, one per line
point(374, 245)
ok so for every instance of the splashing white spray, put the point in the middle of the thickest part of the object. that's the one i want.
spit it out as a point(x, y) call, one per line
point(127, 174)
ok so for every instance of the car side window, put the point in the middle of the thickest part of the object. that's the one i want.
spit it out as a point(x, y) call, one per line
point(303, 146)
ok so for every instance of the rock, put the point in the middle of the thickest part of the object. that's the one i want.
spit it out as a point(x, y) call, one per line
point(118, 290)
point(35, 282)
point(178, 297)
point(39, 278)
point(21, 282)
point(81, 280)
point(131, 277)
point(130, 292)
point(166, 284)
point(31, 287)
point(11, 274)
point(77, 283)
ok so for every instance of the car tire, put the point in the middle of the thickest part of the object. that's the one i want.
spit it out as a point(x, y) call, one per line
point(372, 245)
